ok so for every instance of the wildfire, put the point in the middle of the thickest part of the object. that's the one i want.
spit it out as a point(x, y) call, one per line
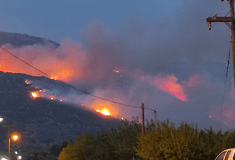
point(34, 94)
point(104, 112)
point(54, 78)
point(52, 98)
point(116, 71)
point(27, 82)
point(169, 84)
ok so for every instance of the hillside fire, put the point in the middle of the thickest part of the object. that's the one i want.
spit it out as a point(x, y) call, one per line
point(26, 82)
point(34, 94)
point(104, 112)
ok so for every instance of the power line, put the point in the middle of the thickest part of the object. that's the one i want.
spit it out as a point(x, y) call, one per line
point(24, 62)
point(228, 62)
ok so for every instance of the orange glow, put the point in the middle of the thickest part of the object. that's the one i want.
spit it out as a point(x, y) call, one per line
point(15, 136)
point(34, 94)
point(122, 118)
point(104, 108)
point(105, 112)
point(169, 84)
point(54, 78)
point(62, 66)
point(116, 71)
point(27, 82)
point(52, 98)
point(61, 100)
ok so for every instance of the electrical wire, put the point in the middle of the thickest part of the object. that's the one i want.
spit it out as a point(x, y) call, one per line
point(221, 9)
point(228, 62)
point(84, 92)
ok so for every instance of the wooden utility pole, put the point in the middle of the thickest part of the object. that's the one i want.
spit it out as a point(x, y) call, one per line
point(155, 114)
point(143, 127)
point(9, 140)
point(231, 25)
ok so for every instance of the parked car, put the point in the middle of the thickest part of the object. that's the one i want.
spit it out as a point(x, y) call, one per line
point(228, 154)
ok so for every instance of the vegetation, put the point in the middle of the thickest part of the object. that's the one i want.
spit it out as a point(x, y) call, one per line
point(162, 141)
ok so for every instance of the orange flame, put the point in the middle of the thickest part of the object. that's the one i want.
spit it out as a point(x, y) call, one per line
point(116, 71)
point(34, 94)
point(104, 111)
point(27, 82)
point(54, 78)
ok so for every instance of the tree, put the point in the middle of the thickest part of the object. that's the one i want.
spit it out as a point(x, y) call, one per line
point(120, 143)
point(167, 142)
point(68, 153)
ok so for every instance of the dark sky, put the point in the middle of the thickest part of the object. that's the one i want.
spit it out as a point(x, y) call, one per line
point(163, 50)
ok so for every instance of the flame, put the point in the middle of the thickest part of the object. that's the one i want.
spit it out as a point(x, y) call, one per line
point(105, 112)
point(52, 98)
point(116, 71)
point(54, 78)
point(34, 94)
point(27, 82)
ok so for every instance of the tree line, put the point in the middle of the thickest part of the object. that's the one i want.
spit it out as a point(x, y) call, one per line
point(161, 141)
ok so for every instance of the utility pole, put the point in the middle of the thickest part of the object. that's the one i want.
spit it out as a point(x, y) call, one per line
point(230, 19)
point(143, 127)
point(9, 140)
point(155, 114)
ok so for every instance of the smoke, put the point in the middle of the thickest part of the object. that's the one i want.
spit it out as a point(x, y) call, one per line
point(174, 65)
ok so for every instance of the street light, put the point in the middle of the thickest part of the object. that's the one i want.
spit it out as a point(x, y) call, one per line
point(14, 136)
point(1, 119)
point(8, 135)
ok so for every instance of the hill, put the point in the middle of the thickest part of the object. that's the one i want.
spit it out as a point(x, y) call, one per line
point(19, 40)
point(43, 122)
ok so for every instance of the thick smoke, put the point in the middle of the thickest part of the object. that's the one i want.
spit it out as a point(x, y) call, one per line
point(174, 65)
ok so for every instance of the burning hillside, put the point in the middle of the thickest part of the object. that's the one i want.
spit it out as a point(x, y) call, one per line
point(102, 70)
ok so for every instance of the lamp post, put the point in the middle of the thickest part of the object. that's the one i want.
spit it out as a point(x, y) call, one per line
point(14, 136)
